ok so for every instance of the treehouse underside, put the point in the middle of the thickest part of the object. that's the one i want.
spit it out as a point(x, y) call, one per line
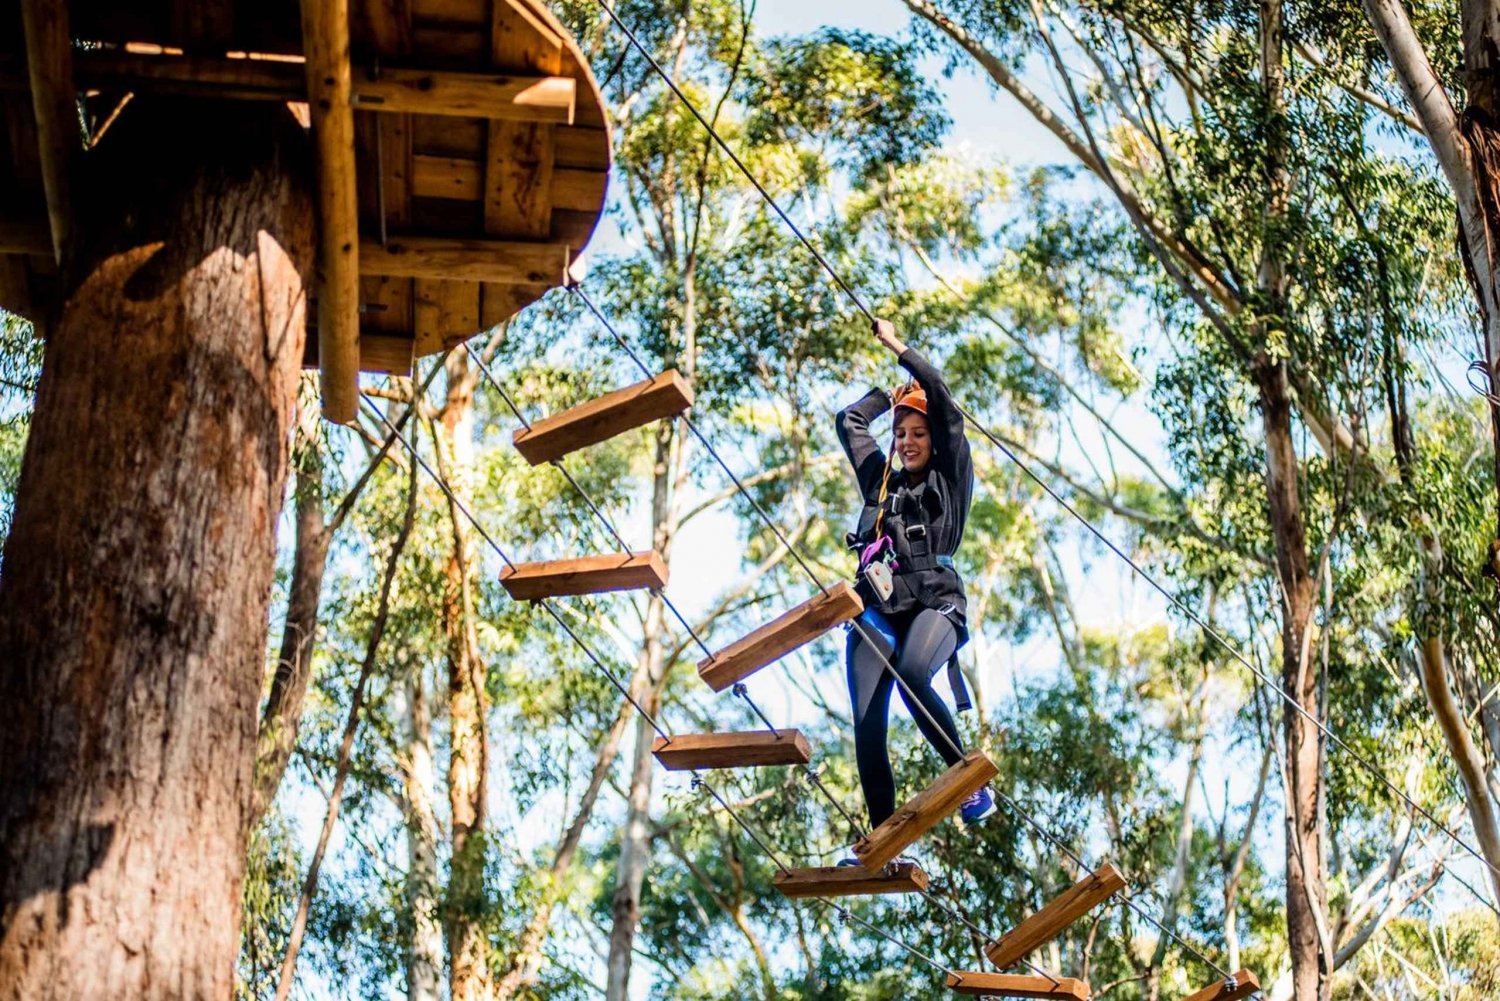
point(462, 147)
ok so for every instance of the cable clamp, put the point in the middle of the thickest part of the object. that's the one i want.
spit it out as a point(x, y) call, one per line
point(697, 781)
point(740, 689)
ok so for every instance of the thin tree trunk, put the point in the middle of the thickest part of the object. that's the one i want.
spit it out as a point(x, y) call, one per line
point(635, 840)
point(424, 960)
point(282, 715)
point(526, 963)
point(470, 978)
point(346, 746)
point(135, 598)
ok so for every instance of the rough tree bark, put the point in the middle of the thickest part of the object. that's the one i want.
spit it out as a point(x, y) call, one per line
point(134, 603)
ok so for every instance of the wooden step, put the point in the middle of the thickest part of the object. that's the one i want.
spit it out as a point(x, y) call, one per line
point(1237, 986)
point(1006, 985)
point(780, 637)
point(584, 575)
point(923, 811)
point(732, 750)
point(851, 880)
point(1053, 919)
point(600, 419)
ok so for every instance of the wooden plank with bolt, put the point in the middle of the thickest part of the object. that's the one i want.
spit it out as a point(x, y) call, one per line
point(504, 261)
point(604, 417)
point(1054, 918)
point(1007, 985)
point(779, 637)
point(850, 881)
point(754, 749)
point(497, 96)
point(1235, 987)
point(925, 810)
point(584, 575)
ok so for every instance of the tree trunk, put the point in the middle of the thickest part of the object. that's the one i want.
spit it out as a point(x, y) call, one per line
point(135, 598)
point(282, 716)
point(635, 839)
point(424, 961)
point(470, 978)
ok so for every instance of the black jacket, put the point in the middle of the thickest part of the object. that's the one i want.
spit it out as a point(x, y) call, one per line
point(940, 499)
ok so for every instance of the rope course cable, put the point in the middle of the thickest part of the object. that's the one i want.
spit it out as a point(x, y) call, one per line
point(859, 303)
point(588, 651)
point(739, 688)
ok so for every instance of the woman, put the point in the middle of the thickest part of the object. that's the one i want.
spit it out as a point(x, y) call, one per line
point(912, 522)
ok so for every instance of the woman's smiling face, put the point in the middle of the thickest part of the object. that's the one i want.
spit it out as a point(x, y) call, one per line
point(913, 440)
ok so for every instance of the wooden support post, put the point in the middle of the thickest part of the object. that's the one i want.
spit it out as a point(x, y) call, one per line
point(584, 575)
point(1237, 986)
point(505, 261)
point(687, 751)
point(49, 61)
point(325, 41)
point(505, 97)
point(850, 880)
point(1049, 922)
point(666, 395)
point(1006, 985)
point(780, 637)
point(923, 811)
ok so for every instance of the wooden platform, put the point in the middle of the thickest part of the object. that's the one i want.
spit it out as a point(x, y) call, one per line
point(462, 149)
point(599, 419)
point(851, 880)
point(753, 749)
point(584, 575)
point(1006, 985)
point(1055, 918)
point(780, 637)
point(1240, 985)
point(925, 810)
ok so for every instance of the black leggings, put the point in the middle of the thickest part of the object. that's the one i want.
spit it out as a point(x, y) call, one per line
point(924, 642)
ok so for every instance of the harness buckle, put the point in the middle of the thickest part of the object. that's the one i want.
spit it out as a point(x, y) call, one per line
point(917, 531)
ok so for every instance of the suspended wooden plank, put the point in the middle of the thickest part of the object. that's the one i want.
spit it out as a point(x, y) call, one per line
point(1235, 987)
point(502, 96)
point(1053, 919)
point(325, 40)
point(925, 810)
point(851, 880)
point(754, 749)
point(1006, 985)
point(584, 575)
point(780, 637)
point(604, 417)
point(49, 62)
point(503, 261)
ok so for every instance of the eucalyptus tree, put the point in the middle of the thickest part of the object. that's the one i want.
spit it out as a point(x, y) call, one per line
point(1246, 196)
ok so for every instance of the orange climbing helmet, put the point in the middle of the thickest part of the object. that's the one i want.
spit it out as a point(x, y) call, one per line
point(912, 397)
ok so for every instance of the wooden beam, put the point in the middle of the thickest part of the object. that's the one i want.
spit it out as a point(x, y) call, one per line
point(1053, 919)
point(245, 79)
point(850, 880)
point(325, 41)
point(1236, 987)
point(925, 810)
point(505, 261)
point(754, 749)
point(390, 354)
point(780, 637)
point(54, 100)
point(496, 96)
point(1006, 985)
point(22, 235)
point(584, 575)
point(604, 417)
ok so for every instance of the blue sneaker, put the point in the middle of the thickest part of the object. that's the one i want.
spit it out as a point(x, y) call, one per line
point(844, 862)
point(978, 806)
point(852, 861)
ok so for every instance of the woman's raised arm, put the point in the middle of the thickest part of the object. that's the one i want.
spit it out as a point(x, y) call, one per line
point(864, 452)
